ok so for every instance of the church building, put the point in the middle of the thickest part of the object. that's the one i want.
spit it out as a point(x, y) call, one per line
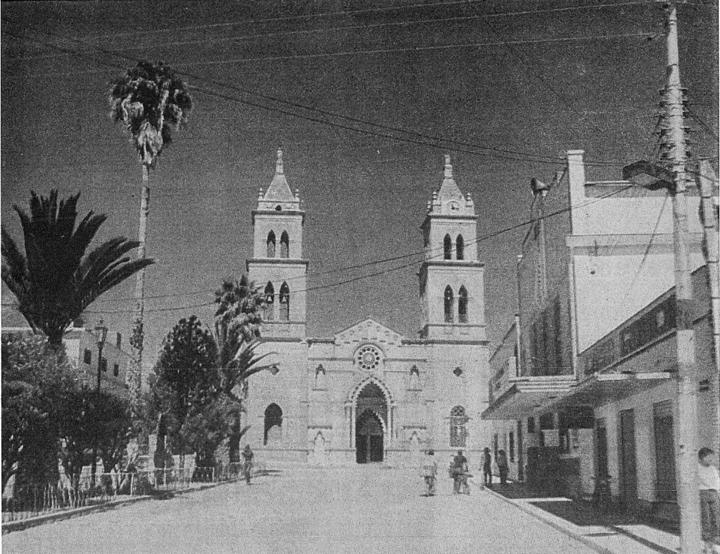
point(367, 393)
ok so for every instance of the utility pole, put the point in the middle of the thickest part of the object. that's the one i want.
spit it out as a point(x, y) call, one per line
point(706, 181)
point(686, 429)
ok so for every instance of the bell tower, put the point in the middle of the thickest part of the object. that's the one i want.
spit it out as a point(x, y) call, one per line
point(277, 265)
point(452, 289)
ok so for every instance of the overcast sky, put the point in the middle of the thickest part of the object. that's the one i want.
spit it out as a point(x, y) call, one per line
point(509, 91)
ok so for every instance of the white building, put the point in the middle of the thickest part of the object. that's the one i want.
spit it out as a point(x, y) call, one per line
point(368, 394)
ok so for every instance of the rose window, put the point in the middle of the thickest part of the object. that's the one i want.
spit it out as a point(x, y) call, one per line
point(368, 358)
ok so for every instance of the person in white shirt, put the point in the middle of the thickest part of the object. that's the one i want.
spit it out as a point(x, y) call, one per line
point(709, 485)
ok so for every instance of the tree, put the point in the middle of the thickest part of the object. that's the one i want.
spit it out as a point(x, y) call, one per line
point(35, 388)
point(186, 378)
point(151, 101)
point(237, 331)
point(92, 419)
point(54, 281)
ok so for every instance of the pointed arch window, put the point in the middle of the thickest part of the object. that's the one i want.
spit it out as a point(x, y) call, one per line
point(269, 302)
point(447, 247)
point(460, 247)
point(284, 302)
point(463, 305)
point(284, 245)
point(271, 245)
point(448, 304)
point(458, 427)
point(273, 424)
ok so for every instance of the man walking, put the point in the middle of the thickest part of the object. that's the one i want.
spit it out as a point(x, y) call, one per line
point(487, 467)
point(429, 472)
point(460, 474)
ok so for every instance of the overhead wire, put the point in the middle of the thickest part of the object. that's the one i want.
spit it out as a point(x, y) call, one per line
point(500, 152)
point(413, 254)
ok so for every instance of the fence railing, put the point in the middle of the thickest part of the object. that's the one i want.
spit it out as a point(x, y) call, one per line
point(32, 501)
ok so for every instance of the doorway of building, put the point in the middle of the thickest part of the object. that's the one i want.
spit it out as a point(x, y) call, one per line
point(369, 438)
point(628, 461)
point(665, 484)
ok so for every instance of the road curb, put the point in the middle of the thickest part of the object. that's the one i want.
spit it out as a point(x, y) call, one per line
point(564, 530)
point(85, 510)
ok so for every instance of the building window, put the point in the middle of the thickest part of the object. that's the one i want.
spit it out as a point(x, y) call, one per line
point(458, 430)
point(368, 357)
point(284, 302)
point(87, 356)
point(269, 302)
point(460, 248)
point(284, 245)
point(271, 245)
point(531, 425)
point(511, 445)
point(103, 364)
point(116, 370)
point(273, 424)
point(447, 247)
point(448, 305)
point(462, 305)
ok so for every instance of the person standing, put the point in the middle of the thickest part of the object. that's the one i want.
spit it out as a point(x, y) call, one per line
point(487, 467)
point(248, 456)
point(502, 463)
point(459, 472)
point(429, 472)
point(709, 485)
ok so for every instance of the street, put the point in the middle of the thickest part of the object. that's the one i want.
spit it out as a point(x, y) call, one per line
point(363, 509)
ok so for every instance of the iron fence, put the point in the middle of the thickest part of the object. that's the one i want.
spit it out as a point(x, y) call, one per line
point(33, 501)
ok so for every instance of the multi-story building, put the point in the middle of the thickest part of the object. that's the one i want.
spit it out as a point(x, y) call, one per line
point(367, 393)
point(82, 351)
point(593, 391)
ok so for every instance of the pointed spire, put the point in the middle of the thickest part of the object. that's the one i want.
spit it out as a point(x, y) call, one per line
point(279, 163)
point(448, 167)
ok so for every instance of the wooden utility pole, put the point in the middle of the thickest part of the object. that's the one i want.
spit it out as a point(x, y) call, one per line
point(687, 385)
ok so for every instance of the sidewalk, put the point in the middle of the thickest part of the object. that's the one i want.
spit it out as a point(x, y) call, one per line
point(611, 533)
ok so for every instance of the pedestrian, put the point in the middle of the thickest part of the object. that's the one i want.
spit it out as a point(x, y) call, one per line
point(429, 472)
point(459, 472)
point(709, 485)
point(248, 456)
point(487, 467)
point(502, 463)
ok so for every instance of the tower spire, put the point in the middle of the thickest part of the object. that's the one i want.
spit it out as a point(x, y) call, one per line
point(448, 167)
point(279, 163)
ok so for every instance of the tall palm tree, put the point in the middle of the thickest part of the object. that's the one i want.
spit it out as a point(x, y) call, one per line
point(151, 101)
point(237, 332)
point(54, 280)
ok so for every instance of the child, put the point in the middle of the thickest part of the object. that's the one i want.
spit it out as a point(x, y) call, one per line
point(709, 485)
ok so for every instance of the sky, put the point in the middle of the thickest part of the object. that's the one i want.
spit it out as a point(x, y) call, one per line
point(364, 97)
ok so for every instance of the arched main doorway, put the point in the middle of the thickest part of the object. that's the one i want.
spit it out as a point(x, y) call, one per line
point(368, 438)
point(371, 410)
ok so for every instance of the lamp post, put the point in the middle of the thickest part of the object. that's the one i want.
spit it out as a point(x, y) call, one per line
point(100, 335)
point(672, 177)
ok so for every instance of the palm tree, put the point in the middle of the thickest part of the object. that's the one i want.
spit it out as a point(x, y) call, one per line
point(237, 332)
point(151, 101)
point(54, 281)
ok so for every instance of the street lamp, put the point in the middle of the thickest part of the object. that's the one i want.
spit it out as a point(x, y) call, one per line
point(100, 335)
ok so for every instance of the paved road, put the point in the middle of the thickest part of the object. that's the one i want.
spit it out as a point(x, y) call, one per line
point(363, 509)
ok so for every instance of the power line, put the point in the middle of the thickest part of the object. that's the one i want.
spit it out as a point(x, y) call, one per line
point(403, 23)
point(403, 266)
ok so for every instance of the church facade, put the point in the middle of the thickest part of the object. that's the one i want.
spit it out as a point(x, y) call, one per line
point(369, 394)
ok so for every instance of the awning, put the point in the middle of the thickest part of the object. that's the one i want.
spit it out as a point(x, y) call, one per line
point(602, 388)
point(529, 395)
point(525, 395)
